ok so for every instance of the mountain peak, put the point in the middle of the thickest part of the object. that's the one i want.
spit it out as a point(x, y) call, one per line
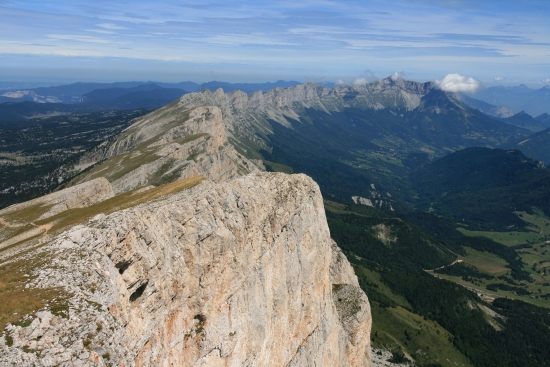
point(525, 120)
point(521, 116)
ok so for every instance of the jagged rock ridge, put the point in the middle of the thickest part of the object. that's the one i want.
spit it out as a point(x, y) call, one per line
point(246, 115)
point(231, 274)
point(167, 145)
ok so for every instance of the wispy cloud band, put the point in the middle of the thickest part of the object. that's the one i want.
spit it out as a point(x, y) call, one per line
point(344, 36)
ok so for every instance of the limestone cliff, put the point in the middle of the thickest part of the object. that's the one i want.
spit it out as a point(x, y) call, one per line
point(241, 273)
point(247, 116)
point(166, 145)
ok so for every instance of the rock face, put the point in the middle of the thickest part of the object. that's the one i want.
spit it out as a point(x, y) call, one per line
point(167, 145)
point(242, 273)
point(377, 199)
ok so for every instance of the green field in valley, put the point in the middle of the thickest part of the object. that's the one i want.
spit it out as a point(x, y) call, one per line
point(532, 248)
point(506, 238)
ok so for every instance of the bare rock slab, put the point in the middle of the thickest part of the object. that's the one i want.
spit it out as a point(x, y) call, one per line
point(240, 273)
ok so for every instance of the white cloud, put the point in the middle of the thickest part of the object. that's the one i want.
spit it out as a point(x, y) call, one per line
point(395, 76)
point(458, 83)
point(362, 80)
point(237, 40)
point(102, 31)
point(367, 78)
point(547, 80)
point(499, 78)
point(67, 37)
point(110, 26)
point(339, 81)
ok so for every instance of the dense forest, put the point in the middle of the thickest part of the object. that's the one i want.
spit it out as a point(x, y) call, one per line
point(483, 187)
point(518, 336)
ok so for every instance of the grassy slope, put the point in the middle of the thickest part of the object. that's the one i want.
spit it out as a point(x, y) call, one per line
point(18, 301)
point(398, 329)
point(512, 238)
point(486, 262)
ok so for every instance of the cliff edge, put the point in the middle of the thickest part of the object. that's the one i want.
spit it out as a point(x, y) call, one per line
point(239, 273)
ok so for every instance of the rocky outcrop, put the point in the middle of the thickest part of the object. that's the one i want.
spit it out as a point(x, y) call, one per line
point(377, 199)
point(242, 273)
point(168, 145)
point(382, 358)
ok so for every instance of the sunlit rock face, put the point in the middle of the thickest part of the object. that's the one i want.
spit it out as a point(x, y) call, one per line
point(239, 273)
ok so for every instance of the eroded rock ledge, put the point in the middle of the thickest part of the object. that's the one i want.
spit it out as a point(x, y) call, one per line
point(242, 273)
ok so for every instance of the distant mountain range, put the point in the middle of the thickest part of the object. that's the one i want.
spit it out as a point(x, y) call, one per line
point(142, 96)
point(74, 93)
point(523, 119)
point(536, 146)
point(486, 108)
point(71, 93)
point(495, 101)
point(521, 98)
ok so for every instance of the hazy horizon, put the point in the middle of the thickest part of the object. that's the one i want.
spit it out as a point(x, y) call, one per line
point(21, 85)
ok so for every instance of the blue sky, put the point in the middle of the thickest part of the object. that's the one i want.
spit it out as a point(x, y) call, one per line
point(502, 42)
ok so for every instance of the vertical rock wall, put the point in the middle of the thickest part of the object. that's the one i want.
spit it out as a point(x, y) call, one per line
point(242, 273)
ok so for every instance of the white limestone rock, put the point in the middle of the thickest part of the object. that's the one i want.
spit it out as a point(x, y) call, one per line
point(166, 145)
point(242, 273)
